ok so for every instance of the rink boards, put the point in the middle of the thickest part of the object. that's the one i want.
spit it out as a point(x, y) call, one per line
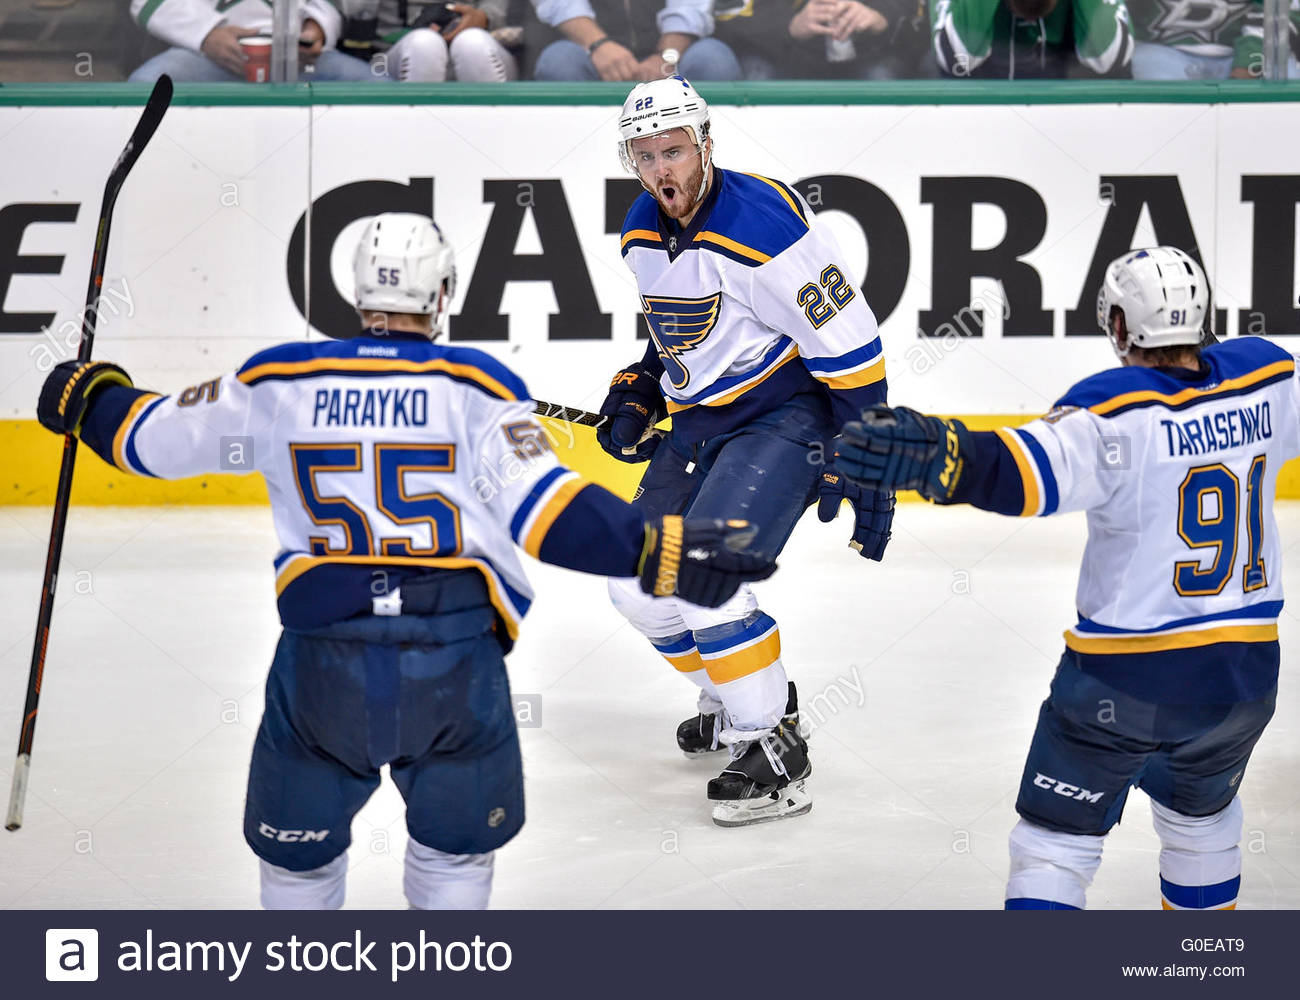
point(977, 233)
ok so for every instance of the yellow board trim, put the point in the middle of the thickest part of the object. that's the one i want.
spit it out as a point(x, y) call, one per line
point(735, 394)
point(1027, 477)
point(302, 564)
point(855, 380)
point(1173, 399)
point(553, 509)
point(1173, 640)
point(732, 245)
point(119, 439)
point(742, 663)
point(32, 454)
point(640, 234)
point(782, 192)
point(326, 365)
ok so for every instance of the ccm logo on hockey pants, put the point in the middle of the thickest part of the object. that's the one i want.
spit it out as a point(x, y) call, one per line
point(292, 836)
point(1070, 791)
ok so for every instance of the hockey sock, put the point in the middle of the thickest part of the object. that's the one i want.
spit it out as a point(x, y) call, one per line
point(1200, 858)
point(743, 660)
point(434, 880)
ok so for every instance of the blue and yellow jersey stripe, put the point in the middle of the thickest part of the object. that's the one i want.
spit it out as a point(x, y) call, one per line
point(1042, 496)
point(860, 367)
point(728, 247)
point(510, 605)
point(125, 456)
point(1235, 367)
point(546, 501)
point(1253, 623)
point(363, 367)
point(1276, 372)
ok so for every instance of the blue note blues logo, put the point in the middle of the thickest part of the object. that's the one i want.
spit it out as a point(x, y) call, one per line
point(679, 326)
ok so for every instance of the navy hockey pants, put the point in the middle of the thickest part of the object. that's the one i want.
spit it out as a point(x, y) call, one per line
point(425, 694)
point(1094, 742)
point(766, 472)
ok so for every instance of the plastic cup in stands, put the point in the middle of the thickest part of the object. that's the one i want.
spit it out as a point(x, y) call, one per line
point(258, 49)
point(840, 51)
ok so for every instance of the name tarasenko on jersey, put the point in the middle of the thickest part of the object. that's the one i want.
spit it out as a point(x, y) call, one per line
point(371, 408)
point(1222, 431)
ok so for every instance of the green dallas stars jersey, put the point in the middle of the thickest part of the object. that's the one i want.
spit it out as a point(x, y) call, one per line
point(983, 38)
point(1207, 27)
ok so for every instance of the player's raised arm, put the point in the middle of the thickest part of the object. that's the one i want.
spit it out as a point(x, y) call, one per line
point(149, 434)
point(558, 516)
point(1050, 466)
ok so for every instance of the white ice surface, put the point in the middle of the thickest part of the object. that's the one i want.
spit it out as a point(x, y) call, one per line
point(165, 626)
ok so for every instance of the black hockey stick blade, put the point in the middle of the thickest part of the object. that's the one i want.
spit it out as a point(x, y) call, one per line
point(569, 414)
point(153, 112)
point(573, 415)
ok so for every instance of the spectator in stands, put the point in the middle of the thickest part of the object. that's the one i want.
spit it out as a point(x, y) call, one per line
point(622, 40)
point(205, 37)
point(1031, 39)
point(428, 41)
point(1211, 40)
point(826, 39)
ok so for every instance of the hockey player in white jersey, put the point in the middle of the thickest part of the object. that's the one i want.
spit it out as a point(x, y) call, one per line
point(402, 475)
point(760, 348)
point(1170, 674)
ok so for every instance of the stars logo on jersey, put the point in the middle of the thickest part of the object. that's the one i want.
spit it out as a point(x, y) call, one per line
point(679, 326)
point(1195, 20)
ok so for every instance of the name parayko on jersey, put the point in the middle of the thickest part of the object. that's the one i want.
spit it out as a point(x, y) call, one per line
point(371, 408)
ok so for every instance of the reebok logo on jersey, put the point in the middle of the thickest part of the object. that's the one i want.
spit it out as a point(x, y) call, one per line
point(1063, 788)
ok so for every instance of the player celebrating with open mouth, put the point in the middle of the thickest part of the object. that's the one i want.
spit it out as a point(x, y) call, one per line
point(761, 348)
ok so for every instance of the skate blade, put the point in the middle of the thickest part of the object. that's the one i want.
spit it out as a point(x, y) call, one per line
point(793, 800)
point(698, 754)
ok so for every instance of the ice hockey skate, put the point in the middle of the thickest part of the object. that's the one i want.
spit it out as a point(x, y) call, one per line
point(699, 734)
point(767, 778)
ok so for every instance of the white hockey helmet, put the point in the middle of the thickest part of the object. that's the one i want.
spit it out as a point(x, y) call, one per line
point(403, 264)
point(660, 106)
point(1164, 295)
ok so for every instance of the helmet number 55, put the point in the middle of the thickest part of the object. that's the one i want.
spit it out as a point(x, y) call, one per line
point(390, 275)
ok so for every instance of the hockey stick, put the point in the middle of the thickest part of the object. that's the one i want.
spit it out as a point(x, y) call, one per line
point(573, 415)
point(569, 414)
point(154, 110)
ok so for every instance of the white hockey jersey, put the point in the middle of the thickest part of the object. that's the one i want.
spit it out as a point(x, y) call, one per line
point(383, 456)
point(749, 305)
point(185, 23)
point(1177, 472)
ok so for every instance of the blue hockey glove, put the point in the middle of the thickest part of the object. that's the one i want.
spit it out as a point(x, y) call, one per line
point(634, 404)
point(900, 449)
point(68, 389)
point(873, 511)
point(701, 560)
